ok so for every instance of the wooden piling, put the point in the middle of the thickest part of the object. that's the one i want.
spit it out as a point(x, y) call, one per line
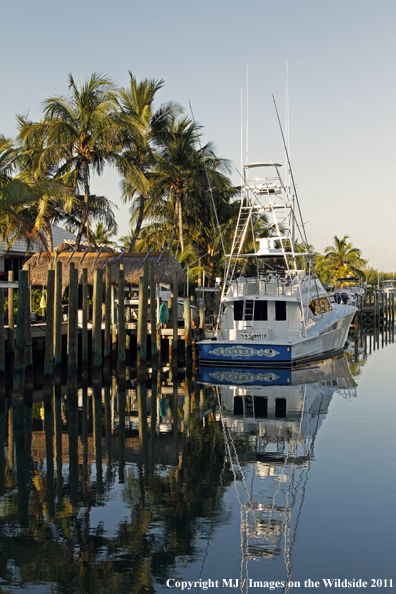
point(2, 334)
point(20, 345)
point(97, 319)
point(114, 338)
point(72, 326)
point(49, 325)
point(121, 316)
point(187, 327)
point(153, 313)
point(142, 315)
point(29, 343)
point(107, 332)
point(11, 331)
point(175, 315)
point(58, 316)
point(202, 317)
point(85, 306)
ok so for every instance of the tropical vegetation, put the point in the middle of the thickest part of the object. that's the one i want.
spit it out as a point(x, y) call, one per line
point(178, 189)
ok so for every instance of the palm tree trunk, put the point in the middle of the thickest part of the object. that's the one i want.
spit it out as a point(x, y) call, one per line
point(138, 224)
point(175, 220)
point(181, 235)
point(88, 235)
point(86, 204)
point(48, 232)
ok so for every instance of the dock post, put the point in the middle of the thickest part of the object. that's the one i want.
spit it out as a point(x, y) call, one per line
point(187, 328)
point(142, 315)
point(2, 342)
point(97, 318)
point(58, 316)
point(107, 332)
point(121, 316)
point(85, 306)
point(72, 319)
point(375, 308)
point(114, 338)
point(202, 317)
point(158, 333)
point(175, 314)
point(29, 345)
point(20, 345)
point(11, 331)
point(153, 313)
point(49, 325)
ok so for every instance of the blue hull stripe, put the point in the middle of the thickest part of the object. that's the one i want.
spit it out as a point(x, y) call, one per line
point(234, 352)
point(238, 376)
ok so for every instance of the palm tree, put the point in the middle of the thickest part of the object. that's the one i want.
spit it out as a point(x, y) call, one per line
point(176, 161)
point(340, 259)
point(141, 129)
point(101, 209)
point(81, 133)
point(15, 194)
point(51, 198)
point(101, 236)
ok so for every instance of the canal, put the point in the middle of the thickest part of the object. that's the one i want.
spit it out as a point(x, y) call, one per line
point(211, 479)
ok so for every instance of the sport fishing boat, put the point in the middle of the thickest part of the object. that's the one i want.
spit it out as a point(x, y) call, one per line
point(273, 310)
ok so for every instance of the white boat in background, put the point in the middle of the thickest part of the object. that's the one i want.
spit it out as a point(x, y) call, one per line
point(278, 313)
point(347, 290)
point(389, 286)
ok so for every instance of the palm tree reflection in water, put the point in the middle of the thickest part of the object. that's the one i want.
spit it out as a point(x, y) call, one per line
point(102, 498)
point(55, 493)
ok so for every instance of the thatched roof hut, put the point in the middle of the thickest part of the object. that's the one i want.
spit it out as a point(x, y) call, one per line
point(165, 266)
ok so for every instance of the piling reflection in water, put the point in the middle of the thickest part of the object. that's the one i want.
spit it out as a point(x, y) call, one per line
point(106, 486)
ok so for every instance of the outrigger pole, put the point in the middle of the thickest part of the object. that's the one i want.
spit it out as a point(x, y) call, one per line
point(292, 178)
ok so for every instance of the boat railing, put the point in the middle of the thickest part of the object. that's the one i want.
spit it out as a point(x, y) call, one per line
point(270, 285)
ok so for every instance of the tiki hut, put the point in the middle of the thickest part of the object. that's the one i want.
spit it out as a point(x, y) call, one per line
point(165, 266)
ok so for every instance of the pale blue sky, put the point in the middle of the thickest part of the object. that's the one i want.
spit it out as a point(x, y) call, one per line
point(341, 56)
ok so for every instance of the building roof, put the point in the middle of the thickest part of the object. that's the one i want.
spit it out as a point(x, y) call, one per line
point(165, 266)
point(20, 246)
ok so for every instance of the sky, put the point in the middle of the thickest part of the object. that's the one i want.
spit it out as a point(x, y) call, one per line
point(341, 60)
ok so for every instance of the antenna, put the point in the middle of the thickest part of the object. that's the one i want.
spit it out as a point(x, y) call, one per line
point(287, 125)
point(241, 130)
point(292, 179)
point(247, 113)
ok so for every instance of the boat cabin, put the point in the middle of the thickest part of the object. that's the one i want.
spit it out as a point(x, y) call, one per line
point(268, 307)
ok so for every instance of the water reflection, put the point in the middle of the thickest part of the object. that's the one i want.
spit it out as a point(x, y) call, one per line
point(117, 485)
point(270, 420)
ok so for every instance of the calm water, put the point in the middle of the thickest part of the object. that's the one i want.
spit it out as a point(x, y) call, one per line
point(231, 480)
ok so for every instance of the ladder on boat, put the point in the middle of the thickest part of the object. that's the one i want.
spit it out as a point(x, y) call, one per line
point(248, 406)
point(244, 218)
point(248, 314)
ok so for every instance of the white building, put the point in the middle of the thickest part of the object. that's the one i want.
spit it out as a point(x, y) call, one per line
point(16, 255)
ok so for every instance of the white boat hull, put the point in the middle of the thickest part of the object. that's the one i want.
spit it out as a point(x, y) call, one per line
point(277, 352)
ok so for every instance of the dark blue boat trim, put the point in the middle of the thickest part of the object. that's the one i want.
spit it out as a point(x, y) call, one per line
point(238, 376)
point(220, 351)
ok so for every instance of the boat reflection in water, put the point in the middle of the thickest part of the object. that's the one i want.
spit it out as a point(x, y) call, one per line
point(270, 420)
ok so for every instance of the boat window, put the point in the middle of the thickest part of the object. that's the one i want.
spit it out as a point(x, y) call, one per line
point(280, 310)
point(238, 406)
point(261, 311)
point(238, 310)
point(260, 406)
point(319, 306)
point(280, 408)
